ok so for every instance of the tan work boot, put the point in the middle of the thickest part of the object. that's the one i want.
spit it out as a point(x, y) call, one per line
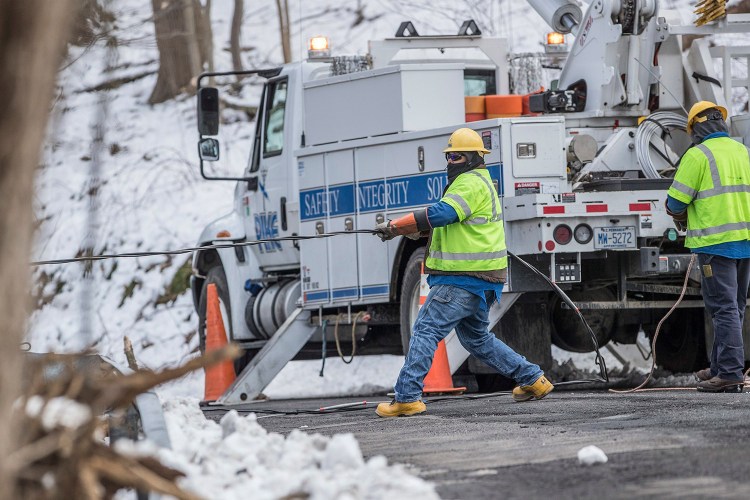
point(704, 374)
point(717, 384)
point(537, 390)
point(396, 409)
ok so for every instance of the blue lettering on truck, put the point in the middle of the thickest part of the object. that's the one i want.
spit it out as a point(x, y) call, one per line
point(376, 195)
point(318, 203)
point(267, 227)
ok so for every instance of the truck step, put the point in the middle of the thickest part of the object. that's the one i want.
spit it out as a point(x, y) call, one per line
point(275, 354)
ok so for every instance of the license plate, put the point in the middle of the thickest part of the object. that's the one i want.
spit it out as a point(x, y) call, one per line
point(614, 237)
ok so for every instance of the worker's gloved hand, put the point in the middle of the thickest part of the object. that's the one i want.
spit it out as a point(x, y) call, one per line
point(385, 231)
point(680, 224)
point(680, 219)
point(406, 225)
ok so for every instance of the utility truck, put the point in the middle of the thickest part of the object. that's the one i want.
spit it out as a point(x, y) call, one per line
point(582, 169)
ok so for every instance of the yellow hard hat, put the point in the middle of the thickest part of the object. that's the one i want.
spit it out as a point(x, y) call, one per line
point(698, 108)
point(465, 139)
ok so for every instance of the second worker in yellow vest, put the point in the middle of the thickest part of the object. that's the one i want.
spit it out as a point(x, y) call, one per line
point(466, 260)
point(710, 199)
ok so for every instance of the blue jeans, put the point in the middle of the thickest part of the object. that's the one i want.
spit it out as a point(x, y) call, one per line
point(725, 296)
point(448, 307)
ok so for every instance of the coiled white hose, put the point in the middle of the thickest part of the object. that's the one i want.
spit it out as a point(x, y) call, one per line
point(655, 123)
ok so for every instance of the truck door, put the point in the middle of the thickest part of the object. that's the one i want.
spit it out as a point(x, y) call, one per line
point(266, 212)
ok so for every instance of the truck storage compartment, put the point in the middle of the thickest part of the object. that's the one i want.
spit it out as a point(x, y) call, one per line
point(383, 101)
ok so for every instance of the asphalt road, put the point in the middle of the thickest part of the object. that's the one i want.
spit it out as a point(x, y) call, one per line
point(680, 444)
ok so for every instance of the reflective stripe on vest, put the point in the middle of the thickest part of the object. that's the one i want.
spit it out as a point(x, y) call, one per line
point(731, 226)
point(469, 256)
point(716, 179)
point(460, 201)
point(493, 195)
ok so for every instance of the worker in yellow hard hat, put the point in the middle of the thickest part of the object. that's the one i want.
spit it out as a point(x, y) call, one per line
point(466, 261)
point(710, 200)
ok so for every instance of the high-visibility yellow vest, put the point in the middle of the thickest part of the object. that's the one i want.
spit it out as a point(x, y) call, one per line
point(477, 241)
point(714, 179)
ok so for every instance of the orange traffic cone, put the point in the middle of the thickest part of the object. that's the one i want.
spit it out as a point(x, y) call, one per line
point(219, 376)
point(438, 379)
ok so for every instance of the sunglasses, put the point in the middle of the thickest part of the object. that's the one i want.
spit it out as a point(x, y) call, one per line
point(454, 156)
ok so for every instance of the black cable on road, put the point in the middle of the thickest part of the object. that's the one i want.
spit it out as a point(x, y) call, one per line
point(367, 405)
point(599, 358)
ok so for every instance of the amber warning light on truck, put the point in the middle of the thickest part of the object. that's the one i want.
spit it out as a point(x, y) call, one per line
point(318, 46)
point(555, 42)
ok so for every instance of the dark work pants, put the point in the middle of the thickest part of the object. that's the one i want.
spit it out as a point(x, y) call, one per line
point(725, 296)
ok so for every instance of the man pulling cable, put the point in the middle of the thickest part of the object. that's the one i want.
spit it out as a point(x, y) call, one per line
point(467, 265)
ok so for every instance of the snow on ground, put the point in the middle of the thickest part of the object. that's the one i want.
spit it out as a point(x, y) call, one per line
point(239, 459)
point(365, 376)
point(629, 353)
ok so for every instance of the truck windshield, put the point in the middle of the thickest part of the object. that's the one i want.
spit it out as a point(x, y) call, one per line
point(273, 141)
point(479, 82)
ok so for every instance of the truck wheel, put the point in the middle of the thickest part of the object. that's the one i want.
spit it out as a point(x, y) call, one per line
point(410, 296)
point(678, 348)
point(217, 276)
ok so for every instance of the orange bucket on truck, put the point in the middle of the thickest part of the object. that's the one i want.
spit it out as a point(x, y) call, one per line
point(503, 106)
point(474, 107)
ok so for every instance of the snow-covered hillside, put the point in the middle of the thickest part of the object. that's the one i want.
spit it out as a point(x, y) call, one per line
point(150, 195)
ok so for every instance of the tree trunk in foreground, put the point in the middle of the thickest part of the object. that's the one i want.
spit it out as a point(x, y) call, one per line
point(32, 35)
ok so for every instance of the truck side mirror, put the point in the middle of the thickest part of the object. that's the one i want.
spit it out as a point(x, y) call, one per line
point(208, 111)
point(208, 149)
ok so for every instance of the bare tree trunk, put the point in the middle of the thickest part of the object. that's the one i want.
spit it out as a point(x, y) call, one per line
point(206, 36)
point(32, 36)
point(235, 36)
point(178, 24)
point(282, 7)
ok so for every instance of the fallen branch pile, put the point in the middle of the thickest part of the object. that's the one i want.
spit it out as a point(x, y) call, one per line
point(62, 452)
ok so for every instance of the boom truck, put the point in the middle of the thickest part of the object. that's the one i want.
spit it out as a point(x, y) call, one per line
point(343, 143)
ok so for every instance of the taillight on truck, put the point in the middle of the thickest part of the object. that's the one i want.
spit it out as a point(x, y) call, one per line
point(562, 234)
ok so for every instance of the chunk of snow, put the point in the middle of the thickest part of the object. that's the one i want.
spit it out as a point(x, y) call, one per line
point(48, 481)
point(136, 449)
point(58, 412)
point(591, 455)
point(239, 459)
point(342, 452)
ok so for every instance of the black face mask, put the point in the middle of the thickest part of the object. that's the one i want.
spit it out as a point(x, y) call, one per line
point(708, 127)
point(455, 169)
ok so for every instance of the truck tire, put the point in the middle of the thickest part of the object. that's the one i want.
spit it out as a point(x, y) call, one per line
point(409, 306)
point(217, 276)
point(679, 347)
